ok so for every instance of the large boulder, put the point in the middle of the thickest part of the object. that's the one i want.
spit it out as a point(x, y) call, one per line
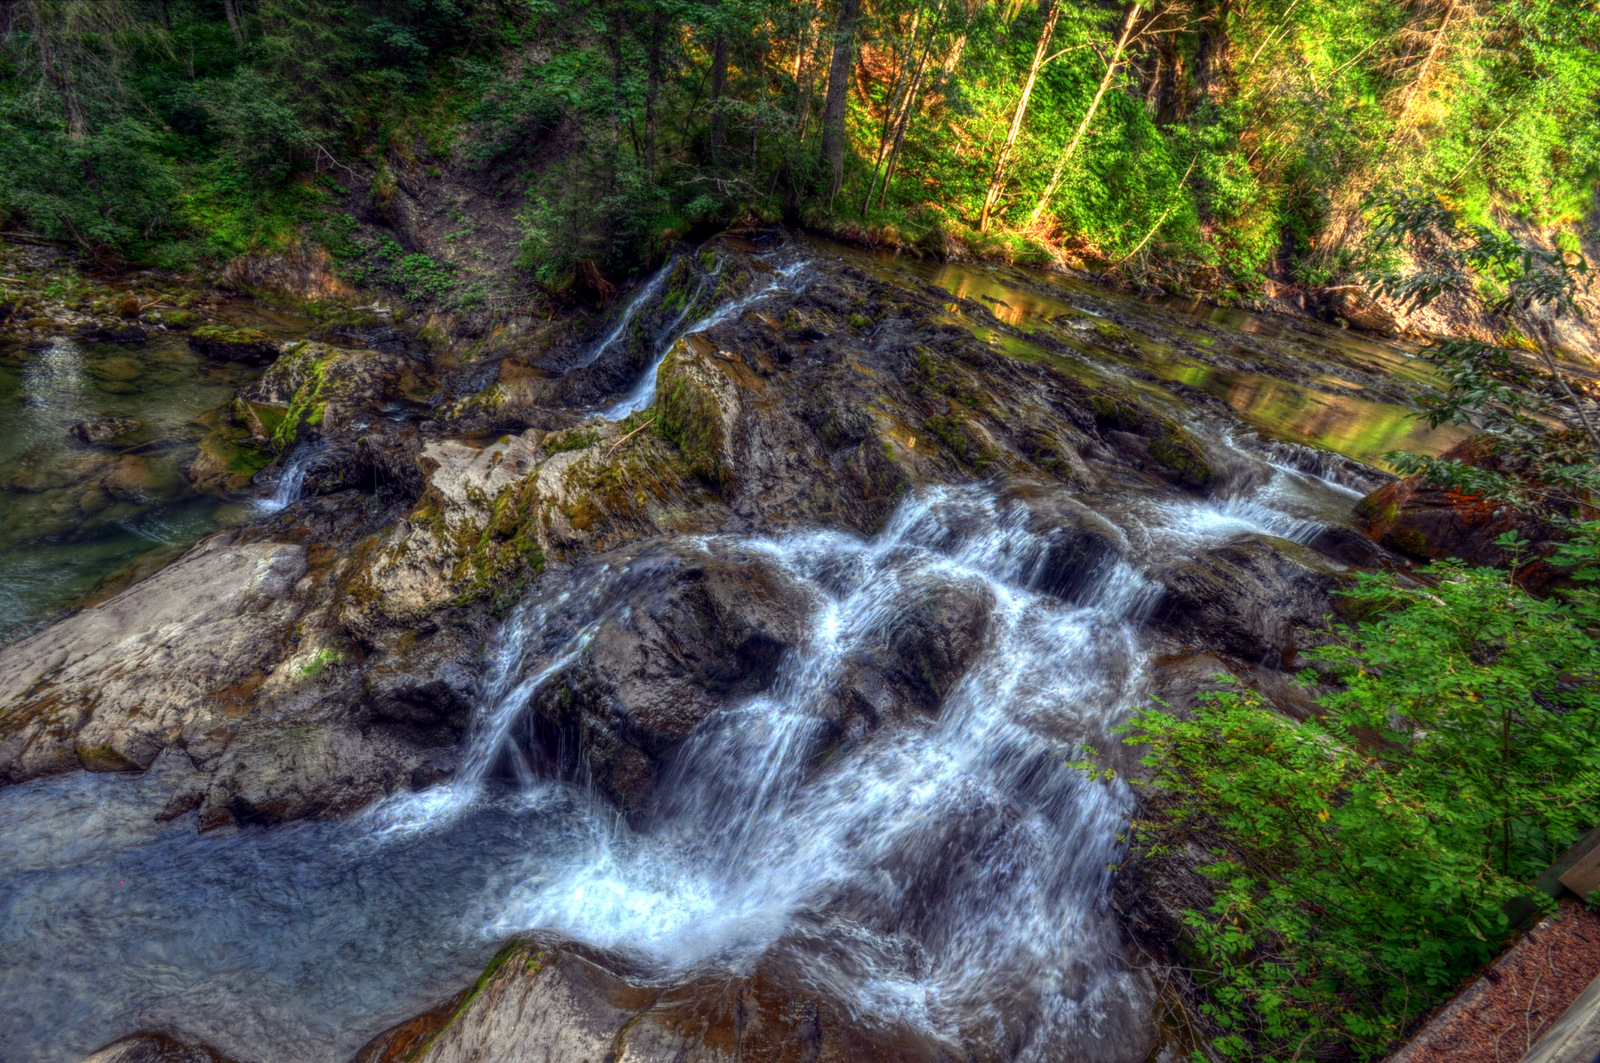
point(112, 686)
point(1257, 598)
point(547, 1000)
point(694, 633)
point(1433, 523)
point(156, 1048)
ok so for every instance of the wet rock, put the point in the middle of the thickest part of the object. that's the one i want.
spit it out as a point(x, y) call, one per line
point(156, 1048)
point(43, 468)
point(233, 345)
point(1165, 440)
point(1256, 598)
point(695, 634)
point(1083, 547)
point(141, 479)
point(104, 431)
point(1433, 523)
point(305, 769)
point(924, 651)
point(124, 332)
point(121, 370)
point(550, 1000)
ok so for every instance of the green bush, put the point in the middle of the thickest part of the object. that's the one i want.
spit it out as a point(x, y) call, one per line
point(1362, 861)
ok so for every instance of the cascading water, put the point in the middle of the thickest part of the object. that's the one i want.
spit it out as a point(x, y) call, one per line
point(291, 480)
point(643, 393)
point(640, 299)
point(946, 872)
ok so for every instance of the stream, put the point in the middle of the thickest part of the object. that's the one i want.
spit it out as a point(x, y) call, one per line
point(948, 875)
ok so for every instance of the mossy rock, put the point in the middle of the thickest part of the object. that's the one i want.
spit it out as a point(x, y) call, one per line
point(233, 344)
point(179, 319)
point(1169, 444)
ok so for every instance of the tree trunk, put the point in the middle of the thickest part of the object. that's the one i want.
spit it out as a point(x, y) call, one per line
point(997, 182)
point(1094, 105)
point(652, 95)
point(56, 70)
point(719, 81)
point(235, 12)
point(833, 111)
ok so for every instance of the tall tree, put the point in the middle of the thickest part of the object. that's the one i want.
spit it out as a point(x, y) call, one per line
point(1117, 53)
point(833, 111)
point(997, 180)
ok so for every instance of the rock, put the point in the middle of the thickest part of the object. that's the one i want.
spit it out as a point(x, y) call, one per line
point(94, 432)
point(155, 1048)
point(692, 635)
point(1082, 546)
point(179, 319)
point(1359, 309)
point(1434, 523)
point(277, 774)
point(140, 479)
point(233, 345)
point(115, 684)
point(119, 333)
point(121, 370)
point(548, 1000)
point(1256, 598)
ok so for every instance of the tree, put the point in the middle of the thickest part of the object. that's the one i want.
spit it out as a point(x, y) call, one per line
point(1128, 21)
point(997, 180)
point(1544, 436)
point(833, 112)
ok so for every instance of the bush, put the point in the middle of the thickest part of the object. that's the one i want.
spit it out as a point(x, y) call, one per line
point(1363, 861)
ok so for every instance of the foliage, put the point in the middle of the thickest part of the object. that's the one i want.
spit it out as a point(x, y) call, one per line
point(1540, 443)
point(1362, 861)
point(1222, 145)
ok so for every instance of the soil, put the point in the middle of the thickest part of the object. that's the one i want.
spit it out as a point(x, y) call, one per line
point(1502, 1015)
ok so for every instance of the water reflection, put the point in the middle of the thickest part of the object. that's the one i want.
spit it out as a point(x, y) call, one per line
point(1038, 316)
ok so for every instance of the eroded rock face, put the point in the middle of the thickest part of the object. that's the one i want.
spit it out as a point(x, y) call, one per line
point(1256, 598)
point(694, 634)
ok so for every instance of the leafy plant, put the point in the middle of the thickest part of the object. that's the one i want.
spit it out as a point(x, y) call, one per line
point(1540, 441)
point(1361, 861)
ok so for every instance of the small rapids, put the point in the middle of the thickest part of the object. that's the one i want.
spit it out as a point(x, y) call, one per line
point(950, 874)
point(643, 392)
point(290, 483)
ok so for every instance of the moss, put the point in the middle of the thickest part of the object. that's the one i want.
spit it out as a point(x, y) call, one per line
point(689, 418)
point(321, 662)
point(571, 439)
point(1412, 542)
point(1169, 444)
point(952, 432)
point(306, 407)
point(1174, 449)
point(179, 319)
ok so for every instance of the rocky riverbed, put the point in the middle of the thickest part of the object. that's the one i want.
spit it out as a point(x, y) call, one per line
point(725, 661)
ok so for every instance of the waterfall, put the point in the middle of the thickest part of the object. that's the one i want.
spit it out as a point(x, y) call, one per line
point(940, 873)
point(643, 392)
point(290, 483)
point(640, 299)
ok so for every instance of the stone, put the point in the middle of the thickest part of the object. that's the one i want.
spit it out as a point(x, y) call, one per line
point(692, 635)
point(1255, 598)
point(104, 431)
point(233, 345)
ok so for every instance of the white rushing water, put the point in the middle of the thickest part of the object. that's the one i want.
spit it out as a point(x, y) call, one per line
point(639, 299)
point(643, 392)
point(290, 483)
point(952, 874)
